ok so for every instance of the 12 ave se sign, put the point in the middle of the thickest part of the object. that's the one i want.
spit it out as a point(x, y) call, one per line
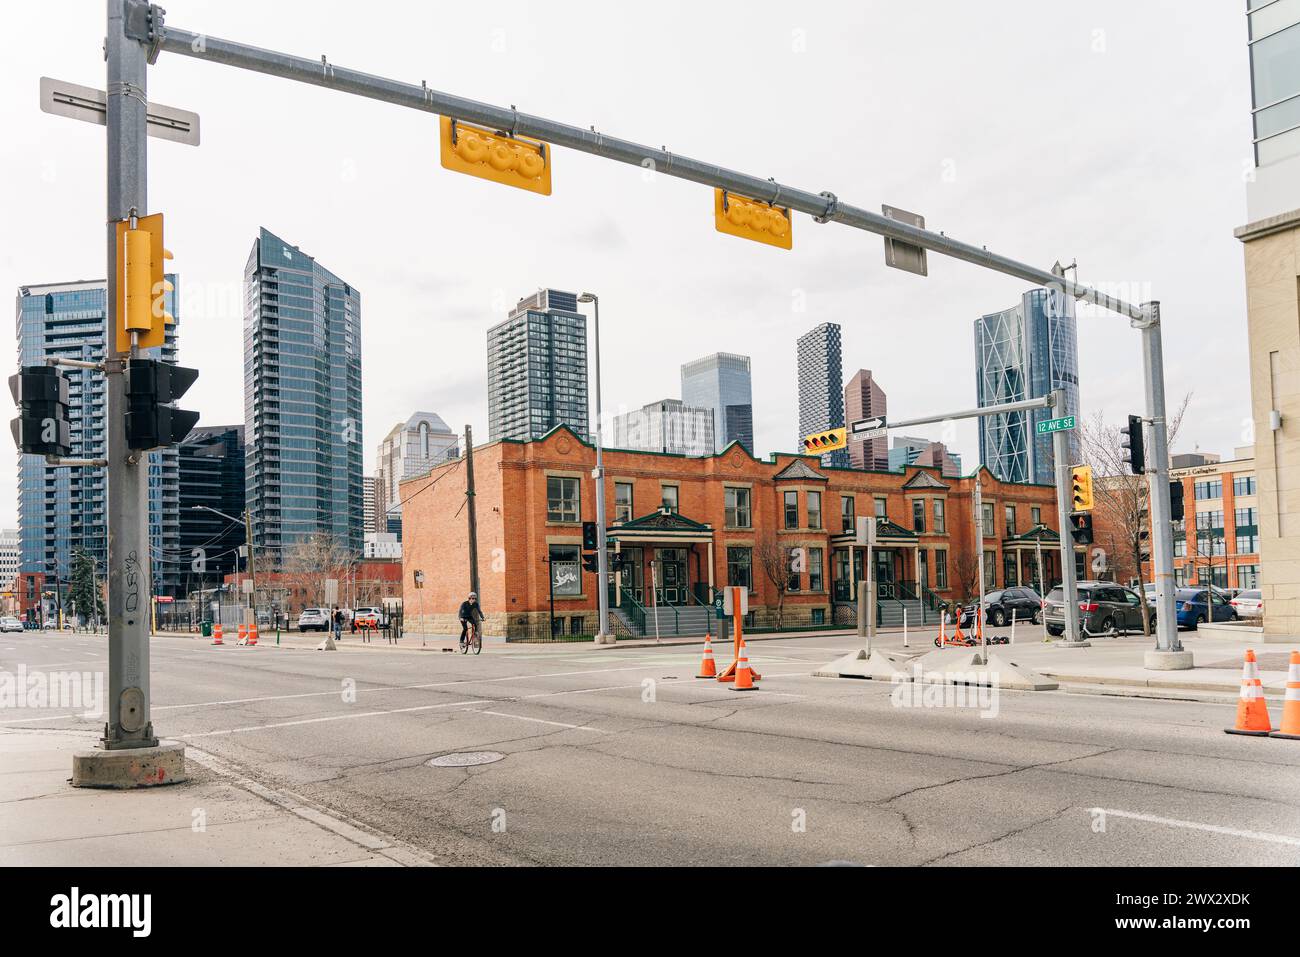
point(1055, 425)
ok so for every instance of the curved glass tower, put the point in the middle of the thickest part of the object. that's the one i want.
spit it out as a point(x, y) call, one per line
point(1023, 353)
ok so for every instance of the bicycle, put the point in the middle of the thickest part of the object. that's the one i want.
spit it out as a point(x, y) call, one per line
point(472, 639)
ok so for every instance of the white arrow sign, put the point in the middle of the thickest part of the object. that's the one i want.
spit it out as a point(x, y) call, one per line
point(868, 428)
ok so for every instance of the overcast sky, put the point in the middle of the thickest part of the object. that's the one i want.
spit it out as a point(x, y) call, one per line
point(1114, 133)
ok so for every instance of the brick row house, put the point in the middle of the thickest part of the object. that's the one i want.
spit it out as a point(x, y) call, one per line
point(684, 526)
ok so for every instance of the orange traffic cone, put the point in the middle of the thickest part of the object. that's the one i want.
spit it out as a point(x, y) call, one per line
point(216, 634)
point(708, 668)
point(243, 635)
point(252, 633)
point(1252, 712)
point(744, 677)
point(1291, 706)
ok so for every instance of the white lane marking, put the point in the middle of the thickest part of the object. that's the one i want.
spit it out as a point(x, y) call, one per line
point(1197, 826)
point(328, 717)
point(560, 724)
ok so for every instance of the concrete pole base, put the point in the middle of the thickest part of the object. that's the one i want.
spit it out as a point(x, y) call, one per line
point(130, 767)
point(1167, 660)
point(1062, 643)
point(605, 640)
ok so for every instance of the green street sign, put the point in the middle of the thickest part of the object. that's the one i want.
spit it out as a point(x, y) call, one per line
point(1056, 425)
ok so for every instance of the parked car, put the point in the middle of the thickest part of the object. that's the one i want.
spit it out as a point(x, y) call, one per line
point(314, 619)
point(9, 623)
point(1104, 607)
point(370, 617)
point(999, 607)
point(1190, 605)
point(1249, 604)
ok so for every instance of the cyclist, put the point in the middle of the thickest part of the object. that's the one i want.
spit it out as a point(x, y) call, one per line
point(470, 612)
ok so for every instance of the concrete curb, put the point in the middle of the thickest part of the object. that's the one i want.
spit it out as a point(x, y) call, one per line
point(1233, 688)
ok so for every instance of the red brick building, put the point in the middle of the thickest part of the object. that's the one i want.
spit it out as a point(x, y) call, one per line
point(692, 524)
point(363, 583)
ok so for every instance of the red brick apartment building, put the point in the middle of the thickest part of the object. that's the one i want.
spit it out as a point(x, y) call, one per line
point(1222, 543)
point(702, 521)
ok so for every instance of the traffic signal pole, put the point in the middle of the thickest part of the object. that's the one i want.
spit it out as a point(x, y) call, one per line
point(129, 754)
point(1064, 497)
point(129, 724)
point(1169, 654)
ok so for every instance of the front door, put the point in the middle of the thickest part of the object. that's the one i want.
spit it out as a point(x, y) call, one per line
point(672, 576)
point(884, 572)
point(634, 573)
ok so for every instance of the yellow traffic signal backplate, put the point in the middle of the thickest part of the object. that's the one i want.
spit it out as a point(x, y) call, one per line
point(828, 441)
point(511, 160)
point(157, 334)
point(752, 219)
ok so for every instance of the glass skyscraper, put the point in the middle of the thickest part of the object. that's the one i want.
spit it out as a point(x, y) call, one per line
point(537, 368)
point(1023, 353)
point(302, 403)
point(63, 510)
point(722, 382)
point(821, 387)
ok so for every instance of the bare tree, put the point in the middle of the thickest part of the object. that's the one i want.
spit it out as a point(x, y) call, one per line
point(777, 562)
point(1120, 499)
point(315, 560)
point(965, 572)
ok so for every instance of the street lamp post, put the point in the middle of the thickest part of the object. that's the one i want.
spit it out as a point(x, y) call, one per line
point(247, 522)
point(603, 637)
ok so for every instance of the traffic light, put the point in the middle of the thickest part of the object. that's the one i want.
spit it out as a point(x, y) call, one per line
point(589, 541)
point(500, 157)
point(151, 421)
point(1176, 500)
point(589, 563)
point(827, 441)
point(1081, 528)
point(141, 283)
point(41, 394)
point(752, 219)
point(1135, 445)
point(1081, 484)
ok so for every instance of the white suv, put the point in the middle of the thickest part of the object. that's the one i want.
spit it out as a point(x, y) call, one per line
point(314, 619)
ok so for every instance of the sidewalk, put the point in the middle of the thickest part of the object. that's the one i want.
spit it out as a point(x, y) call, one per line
point(215, 818)
point(1118, 662)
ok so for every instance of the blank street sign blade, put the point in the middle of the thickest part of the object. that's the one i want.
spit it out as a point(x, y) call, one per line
point(89, 104)
point(903, 255)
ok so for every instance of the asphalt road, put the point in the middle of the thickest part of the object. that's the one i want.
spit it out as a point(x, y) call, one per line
point(621, 757)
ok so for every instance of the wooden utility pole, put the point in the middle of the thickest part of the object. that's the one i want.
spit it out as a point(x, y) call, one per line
point(469, 510)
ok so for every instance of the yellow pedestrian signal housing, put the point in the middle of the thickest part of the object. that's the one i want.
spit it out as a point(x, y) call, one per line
point(752, 219)
point(142, 283)
point(1081, 484)
point(827, 441)
point(500, 157)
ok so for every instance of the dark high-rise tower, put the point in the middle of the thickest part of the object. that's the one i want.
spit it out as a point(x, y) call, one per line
point(211, 475)
point(302, 402)
point(537, 368)
point(821, 387)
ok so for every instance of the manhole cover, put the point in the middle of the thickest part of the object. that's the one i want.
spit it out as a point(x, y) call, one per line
point(465, 759)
